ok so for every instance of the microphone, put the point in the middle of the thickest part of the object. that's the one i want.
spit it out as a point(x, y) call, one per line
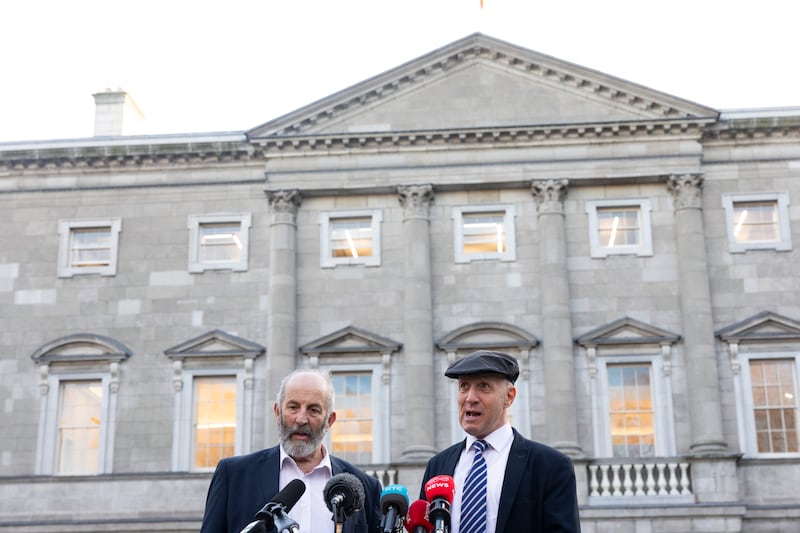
point(394, 506)
point(439, 491)
point(273, 514)
point(344, 495)
point(416, 520)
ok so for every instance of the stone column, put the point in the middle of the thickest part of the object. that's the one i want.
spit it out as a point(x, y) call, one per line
point(282, 308)
point(418, 322)
point(705, 412)
point(557, 345)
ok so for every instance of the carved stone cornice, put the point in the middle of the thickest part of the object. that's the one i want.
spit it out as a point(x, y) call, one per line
point(686, 190)
point(122, 154)
point(415, 200)
point(549, 195)
point(538, 135)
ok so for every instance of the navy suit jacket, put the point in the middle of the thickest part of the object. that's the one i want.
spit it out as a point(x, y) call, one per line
point(539, 494)
point(242, 485)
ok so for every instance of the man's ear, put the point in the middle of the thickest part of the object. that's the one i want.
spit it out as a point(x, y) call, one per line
point(511, 395)
point(277, 411)
point(331, 418)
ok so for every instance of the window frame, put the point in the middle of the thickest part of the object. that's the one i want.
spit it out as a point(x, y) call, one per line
point(65, 232)
point(380, 404)
point(509, 216)
point(327, 260)
point(748, 436)
point(196, 265)
point(781, 199)
point(600, 251)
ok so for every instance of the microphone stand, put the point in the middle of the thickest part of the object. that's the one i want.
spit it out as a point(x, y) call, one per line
point(339, 516)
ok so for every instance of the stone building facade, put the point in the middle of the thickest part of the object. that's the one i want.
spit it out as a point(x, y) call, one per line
point(632, 249)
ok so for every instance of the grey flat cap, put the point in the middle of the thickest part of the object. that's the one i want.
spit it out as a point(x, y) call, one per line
point(485, 362)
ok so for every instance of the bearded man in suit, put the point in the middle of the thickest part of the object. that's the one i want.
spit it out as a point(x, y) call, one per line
point(529, 487)
point(242, 485)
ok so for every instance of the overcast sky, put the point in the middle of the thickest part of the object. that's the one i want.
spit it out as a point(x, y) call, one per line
point(205, 66)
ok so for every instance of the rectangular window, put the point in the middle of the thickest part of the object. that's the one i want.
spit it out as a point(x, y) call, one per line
point(352, 434)
point(78, 432)
point(775, 405)
point(619, 227)
point(88, 247)
point(214, 421)
point(757, 221)
point(350, 238)
point(484, 232)
point(219, 242)
point(631, 410)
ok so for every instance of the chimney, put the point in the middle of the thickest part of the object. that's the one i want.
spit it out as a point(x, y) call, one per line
point(116, 114)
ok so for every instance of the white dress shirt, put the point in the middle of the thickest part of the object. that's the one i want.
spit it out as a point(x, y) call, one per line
point(310, 512)
point(496, 456)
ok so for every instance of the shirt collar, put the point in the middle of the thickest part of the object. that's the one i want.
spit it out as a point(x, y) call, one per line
point(498, 439)
point(325, 463)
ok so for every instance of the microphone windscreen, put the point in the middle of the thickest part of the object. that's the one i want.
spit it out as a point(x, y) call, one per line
point(349, 488)
point(418, 517)
point(397, 496)
point(290, 494)
point(440, 487)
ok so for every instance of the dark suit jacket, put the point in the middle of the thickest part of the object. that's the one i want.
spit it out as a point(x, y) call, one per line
point(539, 493)
point(242, 485)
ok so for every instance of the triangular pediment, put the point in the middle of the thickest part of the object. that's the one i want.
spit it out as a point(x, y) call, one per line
point(215, 343)
point(762, 327)
point(624, 331)
point(350, 340)
point(480, 82)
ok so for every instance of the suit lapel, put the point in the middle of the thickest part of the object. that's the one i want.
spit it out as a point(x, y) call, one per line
point(269, 469)
point(515, 468)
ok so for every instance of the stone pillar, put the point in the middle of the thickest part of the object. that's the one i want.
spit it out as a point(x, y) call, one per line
point(705, 411)
point(418, 323)
point(282, 314)
point(557, 344)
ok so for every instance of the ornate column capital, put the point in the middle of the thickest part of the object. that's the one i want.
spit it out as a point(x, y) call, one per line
point(550, 194)
point(284, 204)
point(416, 200)
point(686, 190)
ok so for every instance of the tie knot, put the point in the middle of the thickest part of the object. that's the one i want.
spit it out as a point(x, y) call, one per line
point(479, 445)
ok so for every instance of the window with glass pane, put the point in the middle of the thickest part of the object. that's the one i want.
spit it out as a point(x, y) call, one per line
point(756, 221)
point(484, 232)
point(214, 421)
point(351, 237)
point(631, 410)
point(90, 247)
point(79, 427)
point(619, 226)
point(775, 404)
point(220, 242)
point(351, 435)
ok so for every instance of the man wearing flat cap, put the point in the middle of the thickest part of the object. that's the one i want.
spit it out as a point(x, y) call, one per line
point(504, 482)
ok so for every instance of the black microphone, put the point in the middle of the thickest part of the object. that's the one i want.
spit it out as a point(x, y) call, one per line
point(273, 514)
point(344, 495)
point(394, 506)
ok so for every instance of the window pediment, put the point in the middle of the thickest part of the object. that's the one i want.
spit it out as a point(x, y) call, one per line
point(761, 327)
point(81, 347)
point(626, 331)
point(494, 335)
point(350, 340)
point(215, 343)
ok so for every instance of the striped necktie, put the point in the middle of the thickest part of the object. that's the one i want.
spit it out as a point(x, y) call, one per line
point(473, 501)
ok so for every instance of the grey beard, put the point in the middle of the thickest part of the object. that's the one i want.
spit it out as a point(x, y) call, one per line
point(300, 448)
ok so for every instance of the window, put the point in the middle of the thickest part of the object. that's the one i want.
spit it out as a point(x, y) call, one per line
point(80, 412)
point(485, 232)
point(219, 242)
point(619, 227)
point(212, 376)
point(350, 238)
point(772, 403)
point(630, 409)
point(79, 380)
point(214, 420)
point(88, 247)
point(757, 221)
point(352, 434)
